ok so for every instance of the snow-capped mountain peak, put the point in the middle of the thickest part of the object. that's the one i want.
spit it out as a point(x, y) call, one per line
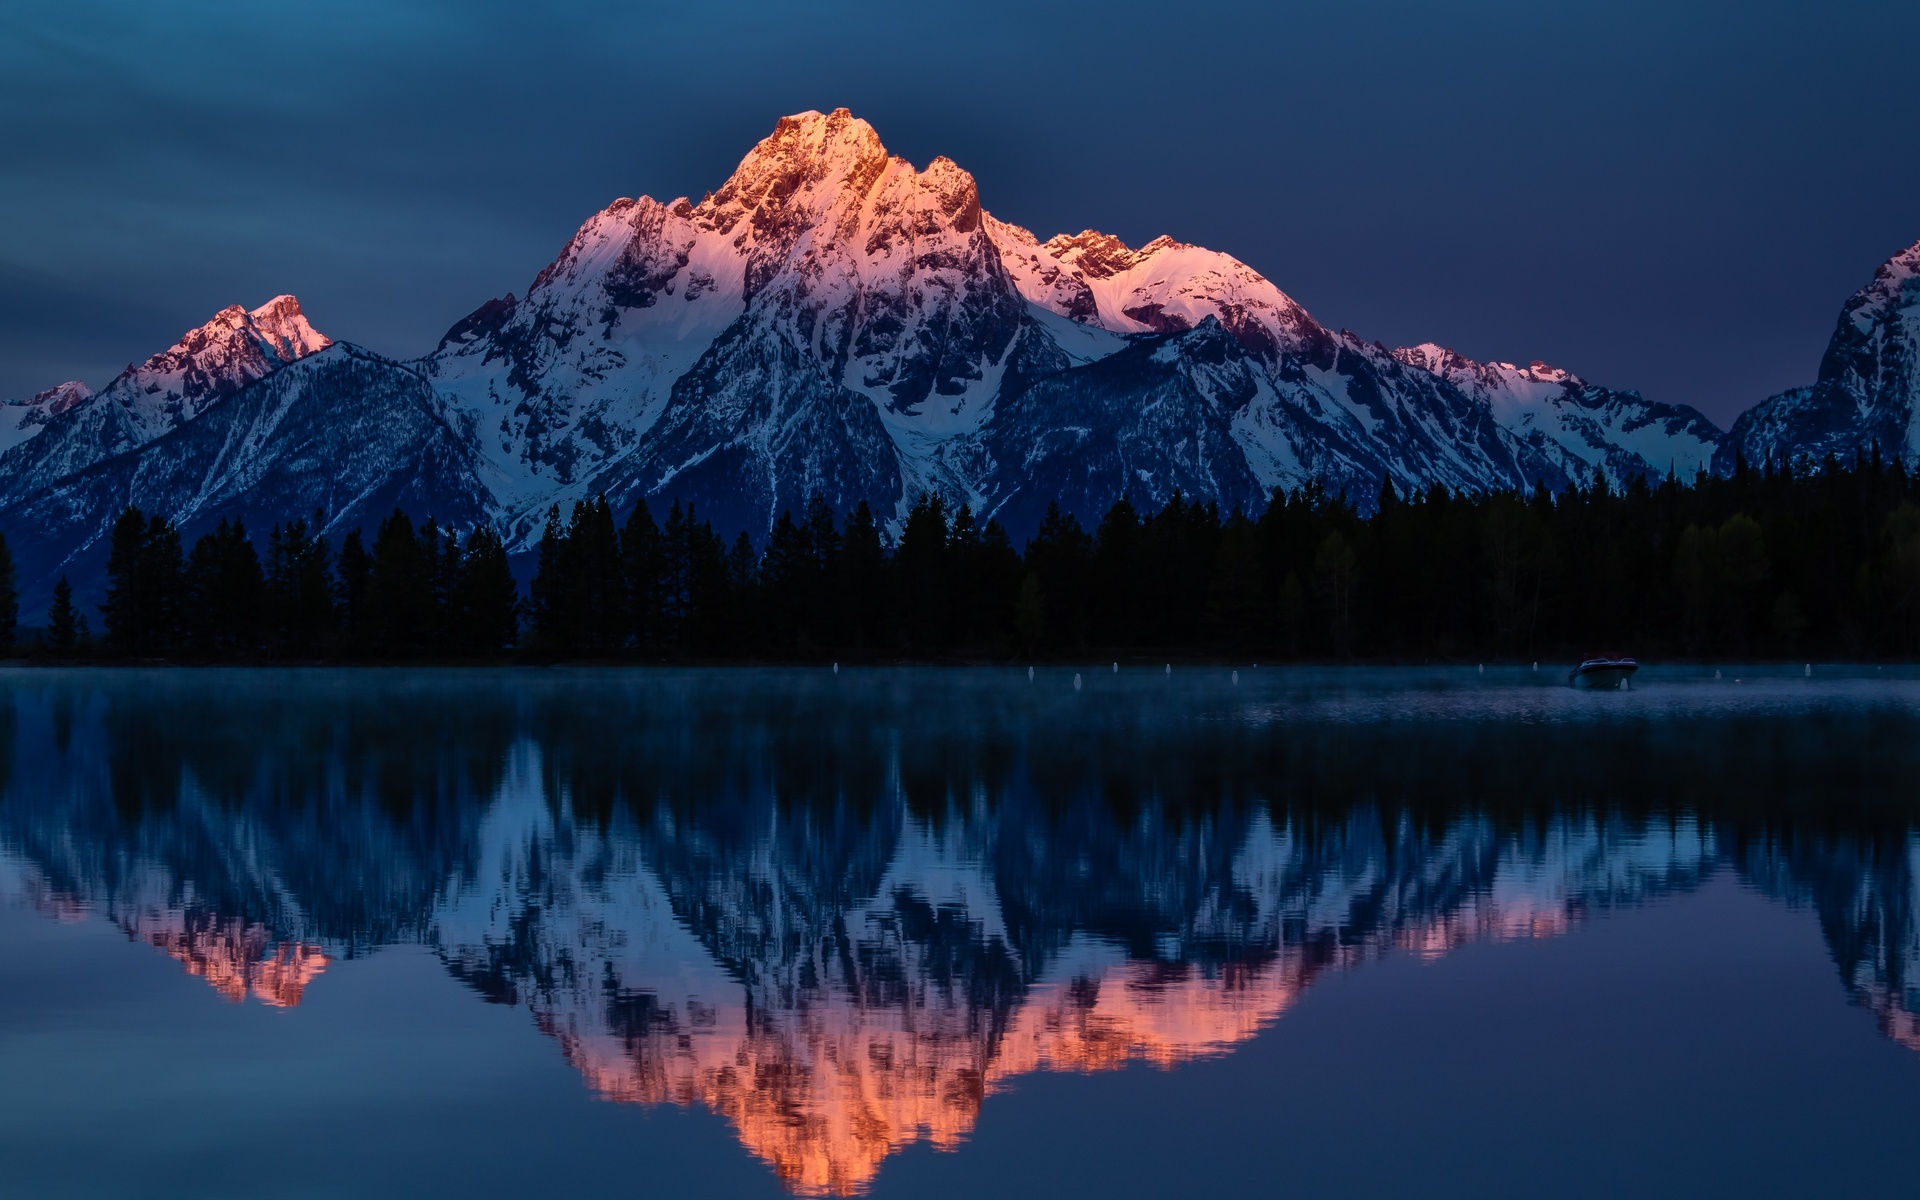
point(1867, 395)
point(824, 272)
point(230, 351)
point(151, 398)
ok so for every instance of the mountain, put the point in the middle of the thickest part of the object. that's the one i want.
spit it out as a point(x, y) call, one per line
point(820, 323)
point(835, 320)
point(343, 432)
point(1867, 395)
point(1580, 426)
point(148, 399)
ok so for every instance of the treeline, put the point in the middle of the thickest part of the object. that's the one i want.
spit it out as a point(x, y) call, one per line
point(1766, 563)
point(416, 593)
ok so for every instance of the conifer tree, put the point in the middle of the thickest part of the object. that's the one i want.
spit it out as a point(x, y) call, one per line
point(355, 574)
point(546, 597)
point(1061, 556)
point(921, 573)
point(488, 597)
point(861, 581)
point(403, 614)
point(642, 560)
point(677, 547)
point(62, 619)
point(144, 584)
point(300, 590)
point(9, 599)
point(787, 570)
point(223, 591)
point(594, 580)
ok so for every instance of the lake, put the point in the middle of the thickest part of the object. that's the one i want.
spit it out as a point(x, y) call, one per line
point(941, 932)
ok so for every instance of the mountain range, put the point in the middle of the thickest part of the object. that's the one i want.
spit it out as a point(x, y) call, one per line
point(834, 320)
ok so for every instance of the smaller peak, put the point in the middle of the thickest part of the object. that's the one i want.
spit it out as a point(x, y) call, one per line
point(59, 398)
point(1163, 242)
point(1428, 356)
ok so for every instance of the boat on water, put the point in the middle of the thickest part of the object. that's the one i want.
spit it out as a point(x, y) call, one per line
point(1603, 671)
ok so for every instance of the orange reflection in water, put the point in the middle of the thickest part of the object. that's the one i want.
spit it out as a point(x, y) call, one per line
point(825, 1094)
point(239, 959)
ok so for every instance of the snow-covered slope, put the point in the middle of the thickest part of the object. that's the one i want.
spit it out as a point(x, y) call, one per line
point(1868, 393)
point(163, 393)
point(1578, 425)
point(1382, 419)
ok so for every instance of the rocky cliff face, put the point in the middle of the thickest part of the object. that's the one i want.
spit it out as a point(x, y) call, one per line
point(1867, 396)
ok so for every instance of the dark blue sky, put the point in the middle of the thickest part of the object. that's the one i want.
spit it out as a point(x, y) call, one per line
point(1673, 195)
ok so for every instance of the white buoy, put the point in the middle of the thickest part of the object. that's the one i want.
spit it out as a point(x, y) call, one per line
point(836, 668)
point(1076, 681)
point(1169, 668)
point(1536, 666)
point(1716, 674)
point(1483, 668)
point(1236, 679)
point(1116, 668)
point(1809, 670)
point(1029, 674)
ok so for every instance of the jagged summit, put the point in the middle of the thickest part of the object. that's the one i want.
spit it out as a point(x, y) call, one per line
point(825, 312)
point(232, 349)
point(1430, 356)
point(1163, 287)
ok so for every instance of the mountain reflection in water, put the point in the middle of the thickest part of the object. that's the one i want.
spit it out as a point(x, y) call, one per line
point(842, 911)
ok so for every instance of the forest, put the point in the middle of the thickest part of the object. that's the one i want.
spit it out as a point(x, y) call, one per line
point(1766, 563)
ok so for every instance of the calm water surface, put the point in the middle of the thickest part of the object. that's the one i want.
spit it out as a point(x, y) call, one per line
point(953, 933)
